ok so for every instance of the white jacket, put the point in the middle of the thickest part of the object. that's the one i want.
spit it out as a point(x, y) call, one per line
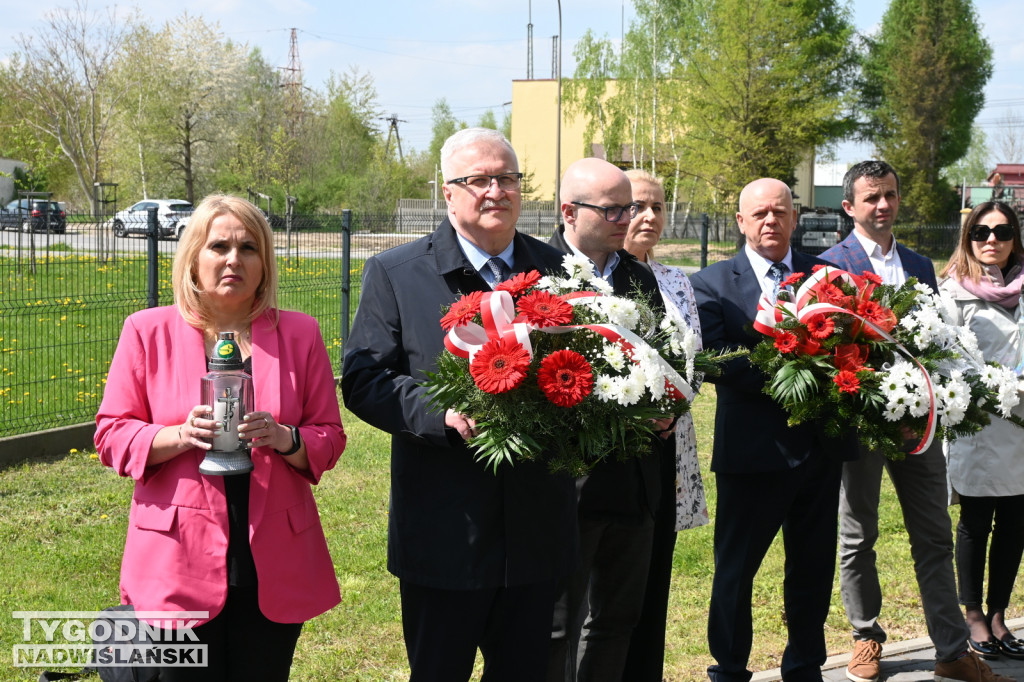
point(989, 463)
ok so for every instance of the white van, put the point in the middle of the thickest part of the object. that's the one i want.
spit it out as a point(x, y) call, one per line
point(818, 232)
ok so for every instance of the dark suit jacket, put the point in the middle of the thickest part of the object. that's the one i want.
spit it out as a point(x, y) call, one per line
point(453, 524)
point(751, 430)
point(613, 489)
point(850, 255)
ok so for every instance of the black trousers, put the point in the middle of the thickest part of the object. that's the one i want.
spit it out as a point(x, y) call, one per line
point(645, 661)
point(804, 503)
point(1003, 518)
point(510, 625)
point(242, 644)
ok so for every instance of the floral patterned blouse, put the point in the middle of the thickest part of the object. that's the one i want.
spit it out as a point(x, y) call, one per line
point(691, 506)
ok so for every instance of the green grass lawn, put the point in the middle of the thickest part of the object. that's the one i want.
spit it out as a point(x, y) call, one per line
point(63, 521)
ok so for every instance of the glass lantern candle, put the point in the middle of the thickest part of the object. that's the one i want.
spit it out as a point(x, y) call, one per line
point(228, 389)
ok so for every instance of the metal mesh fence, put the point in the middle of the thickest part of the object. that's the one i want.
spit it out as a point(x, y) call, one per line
point(64, 296)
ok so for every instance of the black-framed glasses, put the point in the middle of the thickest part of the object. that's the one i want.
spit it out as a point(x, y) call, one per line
point(506, 181)
point(980, 233)
point(613, 214)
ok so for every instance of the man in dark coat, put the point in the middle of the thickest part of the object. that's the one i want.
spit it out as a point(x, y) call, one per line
point(478, 554)
point(768, 475)
point(617, 500)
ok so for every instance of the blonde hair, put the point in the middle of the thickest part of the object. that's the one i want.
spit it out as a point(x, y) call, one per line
point(192, 304)
point(963, 264)
point(641, 175)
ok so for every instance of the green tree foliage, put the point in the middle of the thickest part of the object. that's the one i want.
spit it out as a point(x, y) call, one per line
point(973, 167)
point(924, 79)
point(443, 125)
point(715, 93)
point(62, 85)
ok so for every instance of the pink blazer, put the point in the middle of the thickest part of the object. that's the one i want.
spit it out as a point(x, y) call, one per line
point(176, 549)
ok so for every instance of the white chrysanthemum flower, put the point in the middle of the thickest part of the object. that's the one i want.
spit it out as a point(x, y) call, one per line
point(547, 283)
point(578, 267)
point(614, 356)
point(990, 376)
point(605, 388)
point(620, 311)
point(901, 397)
point(924, 289)
point(919, 404)
point(601, 286)
point(628, 391)
point(903, 372)
point(894, 413)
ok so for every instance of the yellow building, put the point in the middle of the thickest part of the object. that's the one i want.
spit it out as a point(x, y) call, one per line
point(534, 116)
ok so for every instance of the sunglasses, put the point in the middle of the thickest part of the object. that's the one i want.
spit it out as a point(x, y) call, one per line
point(980, 233)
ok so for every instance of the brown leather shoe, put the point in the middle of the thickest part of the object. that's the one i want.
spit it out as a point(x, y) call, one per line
point(863, 665)
point(967, 668)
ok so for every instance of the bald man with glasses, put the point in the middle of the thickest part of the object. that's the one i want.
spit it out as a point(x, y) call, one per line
point(601, 604)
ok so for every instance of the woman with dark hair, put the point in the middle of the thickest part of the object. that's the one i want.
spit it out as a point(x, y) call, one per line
point(245, 549)
point(986, 471)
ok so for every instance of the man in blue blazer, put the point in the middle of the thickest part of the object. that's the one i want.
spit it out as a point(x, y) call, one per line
point(768, 475)
point(871, 196)
point(479, 554)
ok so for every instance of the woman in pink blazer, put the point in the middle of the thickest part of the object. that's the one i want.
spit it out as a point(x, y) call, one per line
point(249, 548)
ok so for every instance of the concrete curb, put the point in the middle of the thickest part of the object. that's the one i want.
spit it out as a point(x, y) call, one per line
point(890, 650)
point(39, 444)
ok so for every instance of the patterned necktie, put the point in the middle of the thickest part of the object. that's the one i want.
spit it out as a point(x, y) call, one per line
point(778, 272)
point(500, 269)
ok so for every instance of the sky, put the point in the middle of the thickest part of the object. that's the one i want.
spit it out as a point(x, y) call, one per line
point(469, 51)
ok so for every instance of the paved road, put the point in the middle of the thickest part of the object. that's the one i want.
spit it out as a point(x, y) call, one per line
point(909, 661)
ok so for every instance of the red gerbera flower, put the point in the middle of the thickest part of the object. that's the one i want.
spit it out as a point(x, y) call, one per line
point(819, 266)
point(871, 277)
point(794, 278)
point(850, 357)
point(786, 342)
point(830, 293)
point(544, 309)
point(462, 311)
point(878, 315)
point(820, 327)
point(847, 382)
point(566, 378)
point(519, 284)
point(500, 365)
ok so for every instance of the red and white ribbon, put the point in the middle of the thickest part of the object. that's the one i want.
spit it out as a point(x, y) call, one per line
point(769, 315)
point(497, 312)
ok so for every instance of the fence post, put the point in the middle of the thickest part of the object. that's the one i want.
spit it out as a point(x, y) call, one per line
point(346, 273)
point(704, 229)
point(153, 259)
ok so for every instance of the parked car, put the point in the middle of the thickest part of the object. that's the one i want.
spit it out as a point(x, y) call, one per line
point(36, 215)
point(818, 232)
point(172, 216)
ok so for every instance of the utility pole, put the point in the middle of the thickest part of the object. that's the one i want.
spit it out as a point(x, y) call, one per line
point(554, 57)
point(393, 122)
point(529, 42)
point(293, 83)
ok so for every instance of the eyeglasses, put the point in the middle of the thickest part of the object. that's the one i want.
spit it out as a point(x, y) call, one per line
point(506, 181)
point(613, 214)
point(980, 233)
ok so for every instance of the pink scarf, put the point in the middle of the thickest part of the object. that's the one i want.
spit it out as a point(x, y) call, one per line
point(991, 286)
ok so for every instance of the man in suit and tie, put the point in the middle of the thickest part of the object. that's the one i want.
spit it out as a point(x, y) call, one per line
point(479, 554)
point(871, 196)
point(768, 475)
point(604, 597)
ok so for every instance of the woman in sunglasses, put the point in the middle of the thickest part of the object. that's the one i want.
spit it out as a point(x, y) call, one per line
point(986, 471)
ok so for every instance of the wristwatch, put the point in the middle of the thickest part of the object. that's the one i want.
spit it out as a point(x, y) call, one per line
point(296, 442)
